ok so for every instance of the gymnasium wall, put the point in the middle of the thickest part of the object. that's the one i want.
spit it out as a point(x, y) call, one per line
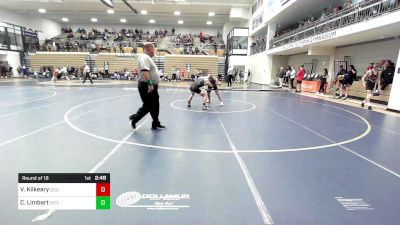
point(47, 27)
point(300, 59)
point(277, 62)
point(258, 68)
point(365, 53)
point(13, 60)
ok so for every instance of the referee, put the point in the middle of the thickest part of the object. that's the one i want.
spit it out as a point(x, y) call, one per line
point(148, 88)
point(86, 73)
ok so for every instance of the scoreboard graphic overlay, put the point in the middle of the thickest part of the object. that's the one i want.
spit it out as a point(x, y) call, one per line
point(69, 191)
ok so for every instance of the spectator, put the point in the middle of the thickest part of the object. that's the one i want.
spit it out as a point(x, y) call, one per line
point(106, 70)
point(178, 74)
point(281, 74)
point(248, 76)
point(292, 77)
point(348, 81)
point(241, 76)
point(339, 77)
point(370, 80)
point(324, 77)
point(347, 3)
point(174, 77)
point(121, 49)
point(337, 9)
point(230, 75)
point(25, 72)
point(387, 74)
point(324, 14)
point(353, 72)
point(300, 76)
point(287, 75)
point(3, 70)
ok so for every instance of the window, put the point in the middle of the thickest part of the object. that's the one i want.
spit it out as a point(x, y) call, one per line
point(11, 37)
point(238, 41)
point(3, 38)
point(18, 38)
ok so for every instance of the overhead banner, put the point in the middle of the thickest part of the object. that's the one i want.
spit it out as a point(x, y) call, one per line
point(258, 20)
point(311, 40)
point(30, 32)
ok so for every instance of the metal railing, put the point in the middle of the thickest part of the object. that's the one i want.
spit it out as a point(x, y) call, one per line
point(356, 13)
point(258, 47)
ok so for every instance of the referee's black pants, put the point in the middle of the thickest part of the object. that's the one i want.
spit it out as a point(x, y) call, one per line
point(87, 75)
point(230, 79)
point(150, 104)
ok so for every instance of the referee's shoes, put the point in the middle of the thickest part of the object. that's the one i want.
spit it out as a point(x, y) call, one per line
point(153, 127)
point(158, 127)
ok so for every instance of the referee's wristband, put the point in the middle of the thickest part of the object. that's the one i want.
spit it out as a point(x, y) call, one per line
point(149, 82)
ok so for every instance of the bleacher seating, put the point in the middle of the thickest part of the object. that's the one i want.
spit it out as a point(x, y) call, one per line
point(358, 91)
point(92, 40)
point(57, 60)
point(116, 63)
point(221, 52)
point(203, 63)
point(116, 48)
point(209, 51)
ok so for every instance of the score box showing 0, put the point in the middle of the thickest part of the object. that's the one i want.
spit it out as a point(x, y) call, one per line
point(70, 191)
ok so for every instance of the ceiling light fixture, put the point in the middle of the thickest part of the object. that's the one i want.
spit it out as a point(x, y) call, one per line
point(180, 21)
point(211, 14)
point(209, 22)
point(110, 11)
point(65, 19)
point(152, 21)
point(94, 20)
point(108, 3)
point(42, 10)
point(177, 13)
point(144, 12)
point(123, 20)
